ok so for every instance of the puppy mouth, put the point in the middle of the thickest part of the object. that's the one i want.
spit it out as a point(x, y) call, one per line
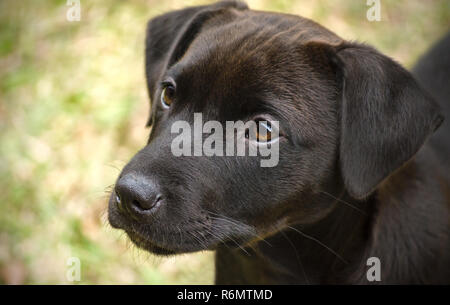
point(184, 240)
point(117, 221)
point(142, 241)
point(145, 244)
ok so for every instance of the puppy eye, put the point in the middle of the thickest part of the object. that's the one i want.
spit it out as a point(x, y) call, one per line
point(263, 133)
point(167, 96)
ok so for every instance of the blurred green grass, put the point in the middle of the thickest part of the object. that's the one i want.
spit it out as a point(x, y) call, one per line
point(72, 112)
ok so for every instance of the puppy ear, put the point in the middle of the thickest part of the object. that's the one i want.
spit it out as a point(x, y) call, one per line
point(386, 117)
point(169, 35)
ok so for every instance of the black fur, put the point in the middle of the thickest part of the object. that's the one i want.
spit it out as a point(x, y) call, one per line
point(358, 174)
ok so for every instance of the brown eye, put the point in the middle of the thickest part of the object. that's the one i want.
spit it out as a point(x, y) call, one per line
point(264, 132)
point(167, 96)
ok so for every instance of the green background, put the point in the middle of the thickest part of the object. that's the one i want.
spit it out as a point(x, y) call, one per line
point(73, 106)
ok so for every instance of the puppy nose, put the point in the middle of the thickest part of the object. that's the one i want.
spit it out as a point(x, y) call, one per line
point(137, 194)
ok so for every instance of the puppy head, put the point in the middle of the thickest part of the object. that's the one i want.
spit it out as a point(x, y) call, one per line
point(345, 117)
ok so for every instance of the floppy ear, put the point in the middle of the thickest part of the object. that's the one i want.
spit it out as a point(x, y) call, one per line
point(169, 35)
point(385, 117)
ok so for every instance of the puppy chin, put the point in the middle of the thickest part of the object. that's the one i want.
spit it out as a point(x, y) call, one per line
point(146, 245)
point(118, 221)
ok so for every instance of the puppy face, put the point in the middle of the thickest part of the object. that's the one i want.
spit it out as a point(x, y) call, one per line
point(229, 64)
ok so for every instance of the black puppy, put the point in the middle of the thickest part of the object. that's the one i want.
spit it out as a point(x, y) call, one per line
point(360, 182)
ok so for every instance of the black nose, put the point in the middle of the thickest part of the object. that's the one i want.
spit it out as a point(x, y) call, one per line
point(137, 194)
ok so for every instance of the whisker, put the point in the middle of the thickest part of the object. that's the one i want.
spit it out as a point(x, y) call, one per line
point(238, 224)
point(345, 202)
point(228, 237)
point(181, 234)
point(220, 239)
point(114, 166)
point(198, 239)
point(237, 244)
point(298, 257)
point(319, 242)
